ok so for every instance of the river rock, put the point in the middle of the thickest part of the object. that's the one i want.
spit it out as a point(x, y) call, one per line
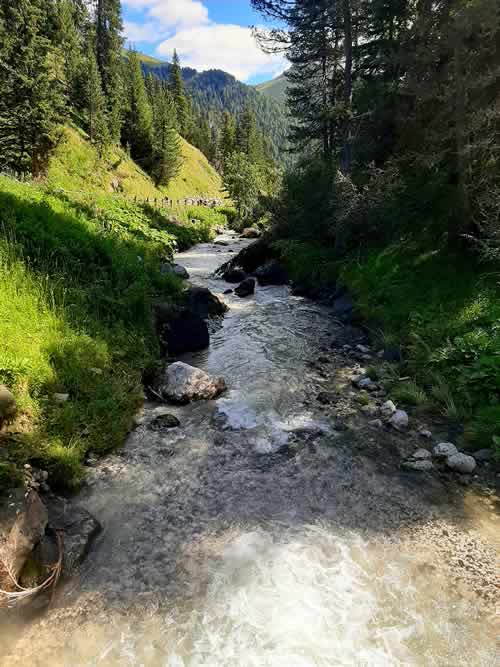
point(251, 233)
point(399, 420)
point(180, 330)
point(164, 421)
point(246, 288)
point(462, 463)
point(203, 303)
point(8, 406)
point(234, 275)
point(272, 273)
point(376, 423)
point(79, 531)
point(421, 455)
point(175, 270)
point(422, 465)
point(388, 409)
point(444, 449)
point(183, 383)
point(27, 530)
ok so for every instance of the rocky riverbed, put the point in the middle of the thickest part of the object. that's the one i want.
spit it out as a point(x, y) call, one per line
point(282, 522)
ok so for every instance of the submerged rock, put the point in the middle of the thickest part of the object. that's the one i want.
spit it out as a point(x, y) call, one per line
point(183, 383)
point(164, 421)
point(246, 288)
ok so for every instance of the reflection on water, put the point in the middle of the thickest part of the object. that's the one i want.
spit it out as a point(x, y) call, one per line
point(253, 534)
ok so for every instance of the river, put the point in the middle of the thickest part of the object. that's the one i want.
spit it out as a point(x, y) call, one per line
point(258, 534)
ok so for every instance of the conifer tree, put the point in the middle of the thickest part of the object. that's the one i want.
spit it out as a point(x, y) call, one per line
point(72, 17)
point(167, 157)
point(137, 130)
point(109, 43)
point(96, 107)
point(179, 96)
point(31, 99)
point(228, 136)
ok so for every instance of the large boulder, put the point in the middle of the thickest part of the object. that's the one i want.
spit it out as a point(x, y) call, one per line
point(250, 258)
point(203, 303)
point(180, 330)
point(8, 405)
point(246, 288)
point(272, 273)
point(182, 384)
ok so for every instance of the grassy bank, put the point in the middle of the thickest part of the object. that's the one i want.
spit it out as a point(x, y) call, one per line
point(78, 278)
point(444, 311)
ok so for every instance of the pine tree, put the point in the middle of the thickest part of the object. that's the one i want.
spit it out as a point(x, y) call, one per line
point(167, 157)
point(228, 136)
point(179, 96)
point(31, 99)
point(98, 128)
point(137, 130)
point(72, 25)
point(109, 44)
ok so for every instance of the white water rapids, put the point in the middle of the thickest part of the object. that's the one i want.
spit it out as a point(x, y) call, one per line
point(257, 535)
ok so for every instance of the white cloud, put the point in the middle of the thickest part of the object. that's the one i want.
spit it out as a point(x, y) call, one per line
point(171, 14)
point(142, 32)
point(231, 48)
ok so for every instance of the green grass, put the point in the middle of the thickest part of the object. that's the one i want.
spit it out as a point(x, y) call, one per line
point(79, 275)
point(75, 167)
point(443, 309)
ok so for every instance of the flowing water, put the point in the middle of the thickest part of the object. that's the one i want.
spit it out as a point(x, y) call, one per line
point(256, 533)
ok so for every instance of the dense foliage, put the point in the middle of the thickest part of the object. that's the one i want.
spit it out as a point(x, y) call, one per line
point(396, 192)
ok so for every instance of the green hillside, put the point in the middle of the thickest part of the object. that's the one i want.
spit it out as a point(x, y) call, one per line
point(76, 167)
point(80, 271)
point(274, 89)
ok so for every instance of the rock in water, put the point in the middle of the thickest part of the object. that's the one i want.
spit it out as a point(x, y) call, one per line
point(461, 463)
point(272, 273)
point(251, 233)
point(246, 288)
point(183, 383)
point(27, 531)
point(164, 421)
point(234, 275)
point(8, 406)
point(180, 330)
point(204, 304)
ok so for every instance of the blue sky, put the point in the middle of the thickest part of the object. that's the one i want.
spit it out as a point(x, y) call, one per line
point(208, 34)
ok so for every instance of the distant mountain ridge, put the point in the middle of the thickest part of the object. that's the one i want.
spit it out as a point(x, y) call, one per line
point(215, 91)
point(275, 89)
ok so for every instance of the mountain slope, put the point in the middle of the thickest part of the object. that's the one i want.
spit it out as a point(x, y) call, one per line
point(215, 91)
point(274, 89)
point(75, 167)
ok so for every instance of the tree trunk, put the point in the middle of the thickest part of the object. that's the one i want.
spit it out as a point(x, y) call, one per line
point(345, 158)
